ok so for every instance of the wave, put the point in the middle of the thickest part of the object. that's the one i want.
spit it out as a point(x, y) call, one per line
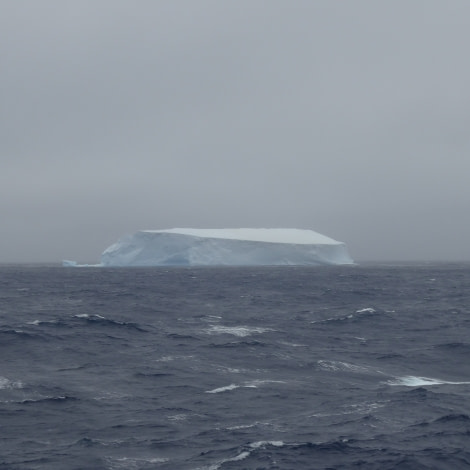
point(243, 453)
point(152, 375)
point(293, 455)
point(14, 333)
point(58, 399)
point(95, 319)
point(180, 336)
point(453, 418)
point(454, 347)
point(390, 356)
point(356, 315)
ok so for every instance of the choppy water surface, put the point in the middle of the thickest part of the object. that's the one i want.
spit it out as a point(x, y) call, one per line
point(235, 368)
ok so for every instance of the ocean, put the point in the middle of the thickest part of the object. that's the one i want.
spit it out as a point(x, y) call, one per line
point(364, 367)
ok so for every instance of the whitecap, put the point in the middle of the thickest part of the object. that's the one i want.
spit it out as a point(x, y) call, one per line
point(256, 383)
point(412, 381)
point(249, 384)
point(257, 445)
point(9, 384)
point(218, 465)
point(231, 370)
point(223, 389)
point(335, 366)
point(241, 456)
point(366, 310)
point(211, 318)
point(166, 359)
point(86, 315)
point(228, 370)
point(179, 417)
point(334, 319)
point(294, 345)
point(241, 426)
point(240, 331)
point(108, 395)
point(42, 322)
point(363, 407)
point(172, 358)
point(131, 463)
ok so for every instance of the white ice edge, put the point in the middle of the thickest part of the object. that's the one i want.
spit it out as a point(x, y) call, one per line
point(268, 235)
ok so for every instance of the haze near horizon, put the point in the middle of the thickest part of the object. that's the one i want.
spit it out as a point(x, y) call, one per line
point(347, 118)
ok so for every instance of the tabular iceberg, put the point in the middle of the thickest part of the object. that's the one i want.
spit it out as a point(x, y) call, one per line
point(225, 247)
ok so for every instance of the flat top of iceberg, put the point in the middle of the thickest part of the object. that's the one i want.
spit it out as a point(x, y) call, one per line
point(270, 235)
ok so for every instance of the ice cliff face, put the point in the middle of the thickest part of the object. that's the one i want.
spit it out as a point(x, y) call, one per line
point(225, 247)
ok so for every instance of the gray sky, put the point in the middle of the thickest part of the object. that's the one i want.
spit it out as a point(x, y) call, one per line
point(351, 118)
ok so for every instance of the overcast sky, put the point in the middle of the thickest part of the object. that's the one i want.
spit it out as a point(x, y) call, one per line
point(351, 118)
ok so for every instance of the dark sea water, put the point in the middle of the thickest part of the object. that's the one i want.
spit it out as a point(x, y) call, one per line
point(364, 367)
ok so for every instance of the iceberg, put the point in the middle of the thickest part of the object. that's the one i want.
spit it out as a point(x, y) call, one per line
point(224, 247)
